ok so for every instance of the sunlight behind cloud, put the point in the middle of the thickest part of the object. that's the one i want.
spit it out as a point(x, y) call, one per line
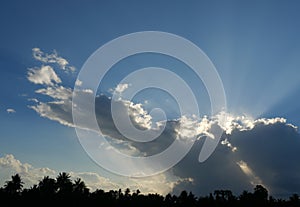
point(231, 149)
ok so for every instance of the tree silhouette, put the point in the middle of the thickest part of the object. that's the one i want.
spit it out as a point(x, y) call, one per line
point(47, 186)
point(294, 200)
point(64, 183)
point(15, 185)
point(54, 192)
point(260, 195)
point(79, 187)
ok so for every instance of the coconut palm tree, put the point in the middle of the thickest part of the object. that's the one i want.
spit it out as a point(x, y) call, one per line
point(15, 185)
point(47, 186)
point(64, 183)
point(79, 186)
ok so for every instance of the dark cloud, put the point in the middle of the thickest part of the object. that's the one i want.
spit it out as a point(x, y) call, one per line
point(269, 147)
point(272, 151)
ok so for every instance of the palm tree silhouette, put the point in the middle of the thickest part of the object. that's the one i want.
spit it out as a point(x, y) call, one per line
point(64, 183)
point(47, 186)
point(79, 186)
point(54, 192)
point(15, 185)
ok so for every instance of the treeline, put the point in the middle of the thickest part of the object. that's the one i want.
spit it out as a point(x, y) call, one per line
point(63, 191)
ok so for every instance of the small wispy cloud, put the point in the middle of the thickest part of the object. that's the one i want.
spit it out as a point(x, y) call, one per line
point(119, 89)
point(53, 58)
point(78, 82)
point(43, 75)
point(10, 111)
point(33, 100)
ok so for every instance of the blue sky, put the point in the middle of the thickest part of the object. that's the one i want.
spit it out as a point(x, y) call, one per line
point(254, 46)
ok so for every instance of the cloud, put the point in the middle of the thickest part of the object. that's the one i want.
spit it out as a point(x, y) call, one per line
point(60, 111)
point(266, 153)
point(52, 58)
point(138, 114)
point(228, 144)
point(43, 75)
point(10, 111)
point(78, 82)
point(234, 165)
point(120, 88)
point(251, 151)
point(271, 150)
point(56, 92)
point(31, 175)
point(33, 100)
point(10, 165)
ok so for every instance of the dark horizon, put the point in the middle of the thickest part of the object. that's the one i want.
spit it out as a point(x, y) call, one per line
point(63, 190)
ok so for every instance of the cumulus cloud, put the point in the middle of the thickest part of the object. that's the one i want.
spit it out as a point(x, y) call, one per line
point(251, 151)
point(10, 165)
point(54, 58)
point(266, 153)
point(43, 75)
point(234, 165)
point(162, 183)
point(10, 111)
point(138, 114)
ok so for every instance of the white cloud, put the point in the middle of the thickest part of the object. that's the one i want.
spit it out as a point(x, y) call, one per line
point(138, 114)
point(192, 127)
point(229, 122)
point(33, 100)
point(10, 165)
point(43, 75)
point(270, 121)
point(52, 58)
point(228, 144)
point(10, 111)
point(121, 87)
point(78, 82)
point(60, 111)
point(56, 92)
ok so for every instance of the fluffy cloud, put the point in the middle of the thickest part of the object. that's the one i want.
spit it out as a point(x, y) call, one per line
point(54, 58)
point(138, 114)
point(10, 165)
point(43, 75)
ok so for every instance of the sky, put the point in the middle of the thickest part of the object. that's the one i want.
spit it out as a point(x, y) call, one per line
point(254, 46)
